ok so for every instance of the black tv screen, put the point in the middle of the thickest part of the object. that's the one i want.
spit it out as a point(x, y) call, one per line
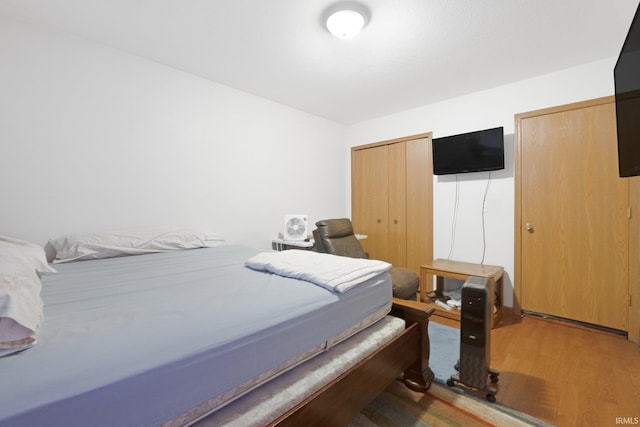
point(469, 152)
point(627, 83)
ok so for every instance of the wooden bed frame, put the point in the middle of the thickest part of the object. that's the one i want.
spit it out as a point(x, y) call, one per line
point(405, 357)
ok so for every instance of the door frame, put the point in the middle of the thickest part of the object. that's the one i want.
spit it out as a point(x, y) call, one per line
point(634, 224)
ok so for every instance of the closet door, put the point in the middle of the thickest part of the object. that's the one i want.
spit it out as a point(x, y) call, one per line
point(396, 252)
point(419, 205)
point(391, 191)
point(574, 215)
point(370, 198)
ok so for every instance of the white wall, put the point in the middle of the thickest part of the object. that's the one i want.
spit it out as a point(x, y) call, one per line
point(92, 138)
point(487, 109)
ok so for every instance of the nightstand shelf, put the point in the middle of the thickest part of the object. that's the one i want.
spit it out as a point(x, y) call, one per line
point(442, 268)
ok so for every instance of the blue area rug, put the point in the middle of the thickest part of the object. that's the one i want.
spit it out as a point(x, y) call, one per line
point(441, 405)
point(445, 350)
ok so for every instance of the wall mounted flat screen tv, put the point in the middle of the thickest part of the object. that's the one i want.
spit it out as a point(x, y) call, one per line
point(627, 83)
point(469, 152)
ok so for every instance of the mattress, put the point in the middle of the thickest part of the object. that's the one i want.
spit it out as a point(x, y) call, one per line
point(270, 401)
point(140, 340)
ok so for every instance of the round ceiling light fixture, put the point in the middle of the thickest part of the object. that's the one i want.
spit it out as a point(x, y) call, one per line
point(345, 19)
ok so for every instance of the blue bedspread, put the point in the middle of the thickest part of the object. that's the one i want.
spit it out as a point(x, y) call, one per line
point(136, 341)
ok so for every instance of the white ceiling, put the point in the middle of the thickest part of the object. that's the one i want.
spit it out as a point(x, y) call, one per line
point(412, 52)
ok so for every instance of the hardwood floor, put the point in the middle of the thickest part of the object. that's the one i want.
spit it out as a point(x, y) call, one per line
point(565, 374)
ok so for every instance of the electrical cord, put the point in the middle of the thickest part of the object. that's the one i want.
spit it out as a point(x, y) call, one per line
point(484, 231)
point(455, 218)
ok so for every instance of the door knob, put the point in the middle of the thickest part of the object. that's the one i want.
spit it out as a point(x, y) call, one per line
point(529, 227)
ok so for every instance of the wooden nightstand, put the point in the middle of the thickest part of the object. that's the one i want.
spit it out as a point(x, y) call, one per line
point(442, 268)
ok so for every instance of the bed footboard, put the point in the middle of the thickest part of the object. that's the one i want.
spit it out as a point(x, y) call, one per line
point(419, 375)
point(405, 357)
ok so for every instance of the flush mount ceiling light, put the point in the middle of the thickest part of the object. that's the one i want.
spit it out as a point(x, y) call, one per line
point(345, 19)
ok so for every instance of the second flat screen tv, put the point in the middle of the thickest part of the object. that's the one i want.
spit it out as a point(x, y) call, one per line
point(469, 152)
point(627, 85)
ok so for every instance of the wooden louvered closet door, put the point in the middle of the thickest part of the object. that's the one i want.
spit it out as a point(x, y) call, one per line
point(392, 184)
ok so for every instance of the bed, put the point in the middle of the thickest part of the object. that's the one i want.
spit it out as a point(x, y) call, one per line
point(195, 336)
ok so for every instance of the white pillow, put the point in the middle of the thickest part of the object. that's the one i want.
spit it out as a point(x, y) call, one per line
point(21, 310)
point(77, 247)
point(16, 253)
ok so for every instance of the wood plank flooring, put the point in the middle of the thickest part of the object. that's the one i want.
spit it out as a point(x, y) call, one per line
point(565, 374)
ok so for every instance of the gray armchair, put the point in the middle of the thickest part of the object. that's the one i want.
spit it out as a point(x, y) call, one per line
point(336, 236)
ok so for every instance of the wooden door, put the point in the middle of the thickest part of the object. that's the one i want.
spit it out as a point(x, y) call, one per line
point(391, 196)
point(370, 198)
point(573, 218)
point(380, 201)
point(396, 251)
point(419, 215)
